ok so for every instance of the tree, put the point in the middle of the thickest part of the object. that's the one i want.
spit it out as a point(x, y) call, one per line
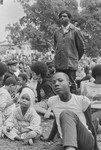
point(41, 20)
point(92, 26)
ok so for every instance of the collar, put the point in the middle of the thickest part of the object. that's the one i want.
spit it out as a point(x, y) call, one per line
point(67, 28)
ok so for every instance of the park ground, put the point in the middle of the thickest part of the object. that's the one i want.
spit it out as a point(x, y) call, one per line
point(6, 144)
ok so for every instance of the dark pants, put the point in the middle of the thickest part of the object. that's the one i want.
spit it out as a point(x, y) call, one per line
point(72, 76)
point(74, 133)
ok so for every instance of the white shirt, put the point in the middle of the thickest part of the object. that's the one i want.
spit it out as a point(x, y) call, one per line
point(77, 104)
point(66, 29)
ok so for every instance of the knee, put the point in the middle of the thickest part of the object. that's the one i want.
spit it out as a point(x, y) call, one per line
point(67, 115)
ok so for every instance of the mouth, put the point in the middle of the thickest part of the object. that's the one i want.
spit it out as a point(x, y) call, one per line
point(58, 90)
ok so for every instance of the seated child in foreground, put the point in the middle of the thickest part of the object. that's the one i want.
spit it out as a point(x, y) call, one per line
point(24, 124)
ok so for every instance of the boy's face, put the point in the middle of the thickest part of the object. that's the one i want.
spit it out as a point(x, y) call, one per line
point(21, 81)
point(25, 101)
point(12, 88)
point(61, 83)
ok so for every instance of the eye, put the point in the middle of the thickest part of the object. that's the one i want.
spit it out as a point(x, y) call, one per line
point(60, 80)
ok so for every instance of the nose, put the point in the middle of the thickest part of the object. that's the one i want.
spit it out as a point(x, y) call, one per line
point(56, 83)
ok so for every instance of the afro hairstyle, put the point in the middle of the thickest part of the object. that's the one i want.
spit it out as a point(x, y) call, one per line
point(40, 68)
point(96, 71)
point(3, 69)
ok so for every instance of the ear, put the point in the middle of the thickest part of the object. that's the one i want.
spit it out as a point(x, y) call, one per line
point(70, 84)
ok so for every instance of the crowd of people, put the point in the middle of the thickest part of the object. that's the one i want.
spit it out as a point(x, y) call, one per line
point(66, 89)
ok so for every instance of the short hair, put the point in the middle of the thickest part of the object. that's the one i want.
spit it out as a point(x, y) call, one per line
point(67, 12)
point(6, 76)
point(3, 69)
point(10, 80)
point(23, 76)
point(96, 71)
point(40, 68)
point(66, 76)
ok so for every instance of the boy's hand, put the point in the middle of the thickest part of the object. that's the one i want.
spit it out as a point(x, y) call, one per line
point(47, 115)
point(8, 129)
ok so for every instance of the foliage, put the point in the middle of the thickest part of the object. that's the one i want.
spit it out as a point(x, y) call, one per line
point(92, 26)
point(41, 20)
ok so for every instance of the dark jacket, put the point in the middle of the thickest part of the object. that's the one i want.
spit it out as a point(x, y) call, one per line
point(47, 87)
point(69, 48)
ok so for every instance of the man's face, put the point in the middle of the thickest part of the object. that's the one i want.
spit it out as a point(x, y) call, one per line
point(61, 83)
point(64, 19)
point(13, 68)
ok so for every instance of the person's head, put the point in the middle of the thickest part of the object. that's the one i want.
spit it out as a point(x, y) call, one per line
point(25, 101)
point(3, 69)
point(11, 84)
point(65, 17)
point(39, 70)
point(96, 73)
point(12, 66)
point(21, 65)
point(22, 77)
point(61, 83)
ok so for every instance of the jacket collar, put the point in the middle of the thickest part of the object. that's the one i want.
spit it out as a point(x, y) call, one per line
point(71, 27)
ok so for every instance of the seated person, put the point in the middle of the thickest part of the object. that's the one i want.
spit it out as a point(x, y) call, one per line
point(6, 102)
point(24, 123)
point(23, 87)
point(93, 91)
point(73, 117)
point(3, 70)
point(44, 87)
point(83, 76)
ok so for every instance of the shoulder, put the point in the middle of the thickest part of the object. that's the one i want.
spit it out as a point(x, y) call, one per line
point(53, 99)
point(82, 99)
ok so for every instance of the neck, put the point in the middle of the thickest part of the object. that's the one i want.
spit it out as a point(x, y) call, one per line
point(65, 97)
point(24, 110)
point(65, 24)
point(6, 87)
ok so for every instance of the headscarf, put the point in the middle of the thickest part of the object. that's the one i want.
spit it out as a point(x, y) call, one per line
point(30, 93)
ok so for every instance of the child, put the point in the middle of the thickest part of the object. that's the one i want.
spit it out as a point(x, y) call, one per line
point(24, 124)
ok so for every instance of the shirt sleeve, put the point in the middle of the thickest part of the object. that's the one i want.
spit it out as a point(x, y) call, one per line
point(51, 101)
point(85, 103)
point(3, 101)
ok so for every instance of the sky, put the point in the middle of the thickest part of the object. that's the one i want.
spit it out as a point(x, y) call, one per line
point(10, 12)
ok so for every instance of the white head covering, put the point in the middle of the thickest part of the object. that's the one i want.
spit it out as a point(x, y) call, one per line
point(31, 94)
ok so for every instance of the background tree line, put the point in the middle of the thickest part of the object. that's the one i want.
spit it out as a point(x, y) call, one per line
point(41, 20)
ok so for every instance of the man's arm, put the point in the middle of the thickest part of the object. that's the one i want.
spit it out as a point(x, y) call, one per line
point(79, 40)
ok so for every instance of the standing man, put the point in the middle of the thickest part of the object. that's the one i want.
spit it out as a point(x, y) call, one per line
point(69, 47)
